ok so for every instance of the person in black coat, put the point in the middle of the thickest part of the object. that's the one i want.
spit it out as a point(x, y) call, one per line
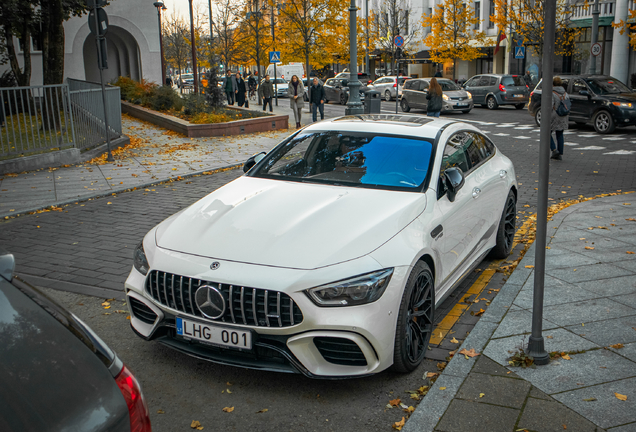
point(241, 91)
point(317, 100)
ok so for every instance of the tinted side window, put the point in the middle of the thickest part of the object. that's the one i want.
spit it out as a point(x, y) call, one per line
point(409, 85)
point(493, 81)
point(484, 81)
point(473, 81)
point(578, 85)
point(329, 82)
point(455, 154)
point(479, 149)
point(566, 83)
point(423, 85)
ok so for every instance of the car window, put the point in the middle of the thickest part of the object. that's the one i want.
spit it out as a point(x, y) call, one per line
point(484, 81)
point(566, 83)
point(410, 84)
point(603, 86)
point(515, 80)
point(355, 159)
point(423, 85)
point(329, 82)
point(473, 81)
point(455, 153)
point(478, 148)
point(492, 81)
point(578, 86)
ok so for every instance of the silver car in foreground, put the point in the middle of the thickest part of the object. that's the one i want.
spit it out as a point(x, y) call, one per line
point(454, 98)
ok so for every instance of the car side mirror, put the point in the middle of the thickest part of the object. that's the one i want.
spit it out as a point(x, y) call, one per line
point(454, 180)
point(253, 160)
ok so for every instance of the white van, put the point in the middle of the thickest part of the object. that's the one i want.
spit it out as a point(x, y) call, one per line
point(287, 71)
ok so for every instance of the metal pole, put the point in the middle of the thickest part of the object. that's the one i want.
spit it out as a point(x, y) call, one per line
point(366, 57)
point(211, 31)
point(158, 5)
point(397, 87)
point(274, 45)
point(595, 14)
point(194, 51)
point(354, 106)
point(110, 157)
point(536, 347)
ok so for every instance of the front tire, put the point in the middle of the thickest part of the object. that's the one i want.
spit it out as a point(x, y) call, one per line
point(343, 99)
point(415, 320)
point(520, 106)
point(506, 230)
point(404, 104)
point(537, 117)
point(491, 103)
point(387, 96)
point(603, 122)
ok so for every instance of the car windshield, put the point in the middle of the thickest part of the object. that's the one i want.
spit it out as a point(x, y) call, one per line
point(351, 159)
point(187, 76)
point(602, 86)
point(448, 85)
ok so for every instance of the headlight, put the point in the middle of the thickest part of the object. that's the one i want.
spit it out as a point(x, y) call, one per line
point(622, 104)
point(139, 259)
point(445, 97)
point(359, 290)
point(470, 96)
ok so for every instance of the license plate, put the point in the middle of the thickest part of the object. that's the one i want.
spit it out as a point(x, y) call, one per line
point(517, 95)
point(462, 105)
point(215, 335)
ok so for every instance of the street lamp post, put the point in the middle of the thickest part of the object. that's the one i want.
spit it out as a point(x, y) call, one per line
point(160, 6)
point(595, 14)
point(354, 106)
point(194, 51)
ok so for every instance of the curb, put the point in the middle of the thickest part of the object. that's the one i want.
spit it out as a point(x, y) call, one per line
point(117, 191)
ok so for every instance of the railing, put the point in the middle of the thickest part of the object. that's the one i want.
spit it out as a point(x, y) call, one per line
point(35, 119)
point(88, 112)
point(38, 119)
point(606, 9)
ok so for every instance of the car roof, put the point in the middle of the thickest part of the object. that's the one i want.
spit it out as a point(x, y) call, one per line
point(393, 124)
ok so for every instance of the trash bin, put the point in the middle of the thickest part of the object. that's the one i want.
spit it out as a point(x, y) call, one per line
point(372, 102)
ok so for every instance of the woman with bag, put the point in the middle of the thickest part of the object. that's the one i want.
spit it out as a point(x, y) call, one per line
point(558, 122)
point(296, 92)
point(434, 98)
point(241, 91)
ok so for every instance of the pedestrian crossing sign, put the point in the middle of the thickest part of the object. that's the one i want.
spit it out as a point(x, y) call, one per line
point(274, 57)
point(520, 52)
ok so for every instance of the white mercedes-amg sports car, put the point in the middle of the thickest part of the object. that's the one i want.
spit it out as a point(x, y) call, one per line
point(329, 255)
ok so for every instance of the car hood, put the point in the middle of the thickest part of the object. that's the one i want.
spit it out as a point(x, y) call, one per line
point(289, 224)
point(456, 93)
point(622, 97)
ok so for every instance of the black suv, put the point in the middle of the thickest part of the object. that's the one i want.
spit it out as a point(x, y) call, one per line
point(600, 99)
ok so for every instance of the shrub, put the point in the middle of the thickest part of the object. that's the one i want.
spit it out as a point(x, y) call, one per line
point(136, 92)
point(165, 98)
point(195, 104)
point(213, 93)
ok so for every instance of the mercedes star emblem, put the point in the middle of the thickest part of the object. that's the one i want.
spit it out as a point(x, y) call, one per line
point(215, 265)
point(210, 301)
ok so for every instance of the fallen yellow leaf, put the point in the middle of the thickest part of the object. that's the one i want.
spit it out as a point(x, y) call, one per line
point(470, 353)
point(566, 357)
point(620, 396)
point(630, 252)
point(589, 248)
point(442, 388)
point(530, 266)
point(481, 395)
point(228, 409)
point(395, 402)
point(617, 346)
point(453, 340)
point(264, 410)
point(399, 425)
point(161, 412)
point(196, 425)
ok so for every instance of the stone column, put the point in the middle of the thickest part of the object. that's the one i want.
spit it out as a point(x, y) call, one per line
point(620, 45)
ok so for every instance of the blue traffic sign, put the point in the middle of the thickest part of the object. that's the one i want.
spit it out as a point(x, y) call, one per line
point(398, 41)
point(520, 52)
point(274, 57)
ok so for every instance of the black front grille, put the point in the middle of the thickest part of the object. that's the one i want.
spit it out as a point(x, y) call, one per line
point(243, 305)
point(141, 311)
point(340, 351)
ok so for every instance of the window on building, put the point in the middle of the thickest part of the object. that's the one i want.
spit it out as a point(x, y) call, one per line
point(477, 14)
point(491, 24)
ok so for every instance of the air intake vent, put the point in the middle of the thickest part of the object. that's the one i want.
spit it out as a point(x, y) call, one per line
point(142, 312)
point(340, 351)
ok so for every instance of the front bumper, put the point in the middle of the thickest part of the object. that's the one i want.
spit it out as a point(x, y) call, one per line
point(457, 105)
point(335, 342)
point(624, 117)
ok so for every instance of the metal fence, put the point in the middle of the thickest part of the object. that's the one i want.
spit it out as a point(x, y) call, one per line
point(38, 119)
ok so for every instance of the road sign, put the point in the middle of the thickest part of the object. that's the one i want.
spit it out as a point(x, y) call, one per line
point(520, 41)
point(520, 52)
point(274, 57)
point(103, 21)
point(596, 49)
point(398, 41)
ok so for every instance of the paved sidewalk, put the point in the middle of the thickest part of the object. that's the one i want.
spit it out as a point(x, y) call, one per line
point(589, 324)
point(155, 155)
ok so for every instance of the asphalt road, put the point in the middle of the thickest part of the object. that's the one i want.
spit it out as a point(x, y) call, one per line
point(92, 243)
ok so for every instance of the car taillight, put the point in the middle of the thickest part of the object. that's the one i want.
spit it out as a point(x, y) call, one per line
point(137, 409)
point(531, 93)
point(395, 85)
point(502, 88)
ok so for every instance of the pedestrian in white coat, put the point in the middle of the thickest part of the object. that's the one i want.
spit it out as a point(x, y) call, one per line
point(296, 92)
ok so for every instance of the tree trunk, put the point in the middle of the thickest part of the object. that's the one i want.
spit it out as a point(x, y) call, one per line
point(454, 69)
point(53, 43)
point(22, 76)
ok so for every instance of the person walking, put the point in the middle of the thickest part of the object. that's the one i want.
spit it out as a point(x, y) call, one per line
point(241, 91)
point(296, 91)
point(434, 98)
point(266, 92)
point(317, 101)
point(558, 123)
point(438, 74)
point(527, 78)
point(229, 85)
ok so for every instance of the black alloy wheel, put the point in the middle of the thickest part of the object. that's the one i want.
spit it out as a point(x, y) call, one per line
point(506, 230)
point(537, 117)
point(404, 104)
point(415, 320)
point(491, 103)
point(343, 99)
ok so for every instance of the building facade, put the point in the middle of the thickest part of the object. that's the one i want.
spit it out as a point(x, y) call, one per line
point(132, 45)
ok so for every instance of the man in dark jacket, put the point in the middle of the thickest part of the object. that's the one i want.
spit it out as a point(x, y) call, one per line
point(266, 92)
point(229, 86)
point(317, 99)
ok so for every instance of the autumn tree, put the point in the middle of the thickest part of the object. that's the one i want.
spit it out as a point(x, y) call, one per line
point(339, 48)
point(176, 36)
point(453, 35)
point(256, 31)
point(628, 26)
point(390, 19)
point(227, 37)
point(527, 19)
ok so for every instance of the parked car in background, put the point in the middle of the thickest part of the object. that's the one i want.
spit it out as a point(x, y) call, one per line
point(387, 86)
point(280, 85)
point(56, 374)
point(185, 80)
point(454, 98)
point(601, 100)
point(359, 226)
point(307, 83)
point(363, 77)
point(493, 90)
point(337, 90)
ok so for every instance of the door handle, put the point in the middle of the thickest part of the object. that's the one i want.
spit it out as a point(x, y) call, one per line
point(476, 192)
point(503, 173)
